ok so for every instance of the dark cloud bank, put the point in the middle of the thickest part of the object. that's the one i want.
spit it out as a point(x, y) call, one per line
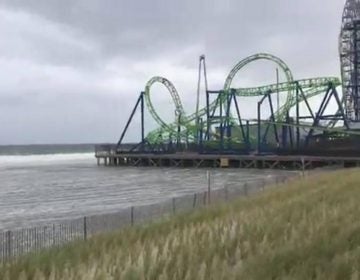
point(71, 70)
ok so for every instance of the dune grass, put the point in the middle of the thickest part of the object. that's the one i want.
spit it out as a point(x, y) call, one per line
point(308, 229)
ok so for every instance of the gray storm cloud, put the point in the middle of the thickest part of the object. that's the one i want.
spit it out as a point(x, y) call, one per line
point(71, 70)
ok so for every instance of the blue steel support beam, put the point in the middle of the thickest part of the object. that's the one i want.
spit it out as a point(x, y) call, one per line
point(245, 137)
point(259, 124)
point(297, 117)
point(130, 119)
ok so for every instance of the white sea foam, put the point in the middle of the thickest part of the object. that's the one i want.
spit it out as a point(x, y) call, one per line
point(44, 159)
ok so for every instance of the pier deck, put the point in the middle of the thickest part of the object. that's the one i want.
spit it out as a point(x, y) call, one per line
point(294, 162)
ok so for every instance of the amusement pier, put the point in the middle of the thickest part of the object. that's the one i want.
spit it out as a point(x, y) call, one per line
point(291, 132)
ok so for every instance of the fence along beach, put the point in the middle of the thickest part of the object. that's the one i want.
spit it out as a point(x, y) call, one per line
point(16, 243)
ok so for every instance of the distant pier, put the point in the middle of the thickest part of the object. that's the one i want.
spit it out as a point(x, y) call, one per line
point(195, 160)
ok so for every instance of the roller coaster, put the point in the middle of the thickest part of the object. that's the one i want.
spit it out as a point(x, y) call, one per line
point(215, 127)
point(218, 127)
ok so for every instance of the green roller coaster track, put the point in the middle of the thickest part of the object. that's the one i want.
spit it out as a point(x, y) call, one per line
point(311, 87)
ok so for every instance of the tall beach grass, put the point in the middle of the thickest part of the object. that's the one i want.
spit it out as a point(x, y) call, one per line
point(306, 229)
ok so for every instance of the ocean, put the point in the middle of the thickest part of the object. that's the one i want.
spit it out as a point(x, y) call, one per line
point(47, 183)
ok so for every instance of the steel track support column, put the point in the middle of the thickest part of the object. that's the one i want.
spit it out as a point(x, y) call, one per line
point(129, 120)
point(247, 140)
point(306, 102)
point(356, 71)
point(284, 130)
point(142, 121)
point(291, 136)
point(221, 122)
point(273, 119)
point(245, 137)
point(201, 135)
point(290, 129)
point(170, 145)
point(198, 128)
point(297, 117)
point(227, 119)
point(325, 102)
point(207, 136)
point(258, 128)
point(259, 124)
point(178, 140)
point(341, 108)
point(318, 115)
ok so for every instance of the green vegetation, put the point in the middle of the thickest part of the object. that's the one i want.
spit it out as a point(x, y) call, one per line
point(309, 229)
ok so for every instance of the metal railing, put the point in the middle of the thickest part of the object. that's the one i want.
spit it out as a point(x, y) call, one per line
point(18, 242)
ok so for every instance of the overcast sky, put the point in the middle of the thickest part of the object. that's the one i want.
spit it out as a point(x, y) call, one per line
point(71, 70)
